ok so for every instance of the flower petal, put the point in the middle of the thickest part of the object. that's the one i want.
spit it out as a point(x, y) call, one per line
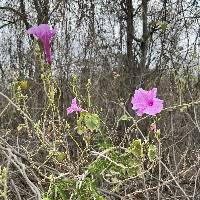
point(44, 34)
point(47, 50)
point(74, 107)
point(69, 110)
point(146, 102)
point(152, 93)
point(74, 101)
point(140, 112)
point(155, 108)
point(139, 100)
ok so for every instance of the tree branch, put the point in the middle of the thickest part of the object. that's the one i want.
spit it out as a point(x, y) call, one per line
point(22, 16)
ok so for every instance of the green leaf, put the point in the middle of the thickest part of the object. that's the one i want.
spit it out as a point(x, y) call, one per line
point(183, 108)
point(152, 152)
point(80, 124)
point(92, 121)
point(124, 118)
point(164, 26)
point(60, 156)
point(98, 166)
point(157, 134)
point(61, 193)
point(23, 84)
point(136, 148)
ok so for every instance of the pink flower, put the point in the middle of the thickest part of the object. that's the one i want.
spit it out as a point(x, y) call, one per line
point(44, 34)
point(74, 107)
point(145, 102)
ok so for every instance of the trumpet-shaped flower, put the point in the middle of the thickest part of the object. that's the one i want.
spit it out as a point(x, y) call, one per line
point(44, 34)
point(74, 107)
point(145, 102)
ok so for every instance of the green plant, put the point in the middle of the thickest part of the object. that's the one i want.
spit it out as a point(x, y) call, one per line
point(3, 183)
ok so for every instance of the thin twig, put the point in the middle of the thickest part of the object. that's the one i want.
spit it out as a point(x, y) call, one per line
point(16, 190)
point(174, 179)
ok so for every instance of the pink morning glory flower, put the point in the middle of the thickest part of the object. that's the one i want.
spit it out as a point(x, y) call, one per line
point(44, 34)
point(145, 102)
point(74, 107)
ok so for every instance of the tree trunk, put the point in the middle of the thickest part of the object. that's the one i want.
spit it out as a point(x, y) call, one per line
point(144, 43)
point(130, 32)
